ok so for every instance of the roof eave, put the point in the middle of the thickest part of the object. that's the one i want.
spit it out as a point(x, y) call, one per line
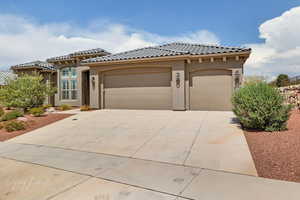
point(168, 58)
point(49, 70)
point(89, 54)
point(20, 68)
point(59, 60)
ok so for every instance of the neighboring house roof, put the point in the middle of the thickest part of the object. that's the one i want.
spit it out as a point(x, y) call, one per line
point(4, 75)
point(296, 78)
point(60, 58)
point(172, 49)
point(35, 64)
point(73, 55)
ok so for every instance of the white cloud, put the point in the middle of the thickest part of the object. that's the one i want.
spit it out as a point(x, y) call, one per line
point(280, 52)
point(23, 39)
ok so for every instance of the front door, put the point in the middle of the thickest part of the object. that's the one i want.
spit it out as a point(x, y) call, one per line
point(86, 88)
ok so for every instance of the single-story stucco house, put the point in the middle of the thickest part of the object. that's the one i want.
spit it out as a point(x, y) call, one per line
point(175, 76)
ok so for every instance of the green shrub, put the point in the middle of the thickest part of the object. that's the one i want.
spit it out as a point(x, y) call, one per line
point(261, 107)
point(85, 108)
point(12, 115)
point(1, 126)
point(14, 126)
point(45, 107)
point(1, 111)
point(37, 112)
point(64, 107)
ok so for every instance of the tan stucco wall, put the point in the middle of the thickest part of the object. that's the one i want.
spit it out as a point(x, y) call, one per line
point(95, 85)
point(179, 69)
point(178, 85)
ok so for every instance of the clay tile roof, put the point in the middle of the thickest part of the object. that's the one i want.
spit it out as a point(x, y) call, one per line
point(90, 51)
point(73, 55)
point(172, 49)
point(35, 64)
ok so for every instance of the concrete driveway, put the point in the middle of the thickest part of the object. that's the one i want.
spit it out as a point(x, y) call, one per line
point(200, 139)
point(127, 154)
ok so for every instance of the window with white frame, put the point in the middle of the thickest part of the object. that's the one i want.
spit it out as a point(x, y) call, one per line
point(68, 77)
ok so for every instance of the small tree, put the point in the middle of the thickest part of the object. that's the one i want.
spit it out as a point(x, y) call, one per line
point(282, 80)
point(25, 92)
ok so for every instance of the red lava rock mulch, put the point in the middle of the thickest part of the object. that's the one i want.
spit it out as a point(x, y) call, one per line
point(277, 155)
point(32, 124)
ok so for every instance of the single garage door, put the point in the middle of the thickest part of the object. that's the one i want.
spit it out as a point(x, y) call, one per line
point(210, 90)
point(138, 89)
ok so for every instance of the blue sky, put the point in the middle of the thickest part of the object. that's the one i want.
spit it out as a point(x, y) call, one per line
point(65, 26)
point(234, 21)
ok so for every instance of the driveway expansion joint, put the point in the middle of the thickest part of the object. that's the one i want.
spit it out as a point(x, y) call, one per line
point(88, 178)
point(124, 157)
point(148, 141)
point(70, 188)
point(195, 138)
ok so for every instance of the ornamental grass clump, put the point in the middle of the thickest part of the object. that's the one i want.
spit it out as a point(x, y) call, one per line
point(85, 108)
point(259, 106)
point(14, 126)
point(47, 106)
point(64, 107)
point(37, 112)
point(12, 115)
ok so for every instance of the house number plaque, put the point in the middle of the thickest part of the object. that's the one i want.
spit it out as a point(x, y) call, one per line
point(178, 80)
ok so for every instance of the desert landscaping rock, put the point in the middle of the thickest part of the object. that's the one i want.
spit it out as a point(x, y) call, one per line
point(276, 154)
point(23, 119)
point(50, 110)
point(32, 123)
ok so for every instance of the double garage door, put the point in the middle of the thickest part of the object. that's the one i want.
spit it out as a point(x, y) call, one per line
point(138, 89)
point(151, 89)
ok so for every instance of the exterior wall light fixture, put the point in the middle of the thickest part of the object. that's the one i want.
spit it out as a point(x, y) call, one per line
point(93, 81)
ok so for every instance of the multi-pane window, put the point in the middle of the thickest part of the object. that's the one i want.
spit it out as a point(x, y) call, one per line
point(68, 83)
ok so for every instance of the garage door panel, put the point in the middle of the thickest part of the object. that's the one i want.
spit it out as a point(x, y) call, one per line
point(138, 80)
point(211, 90)
point(138, 98)
point(138, 91)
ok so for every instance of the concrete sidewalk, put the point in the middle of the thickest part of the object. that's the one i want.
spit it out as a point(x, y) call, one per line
point(56, 173)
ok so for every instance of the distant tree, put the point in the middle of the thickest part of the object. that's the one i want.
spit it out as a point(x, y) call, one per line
point(282, 80)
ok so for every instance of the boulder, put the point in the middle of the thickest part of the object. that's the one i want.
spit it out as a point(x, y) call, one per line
point(50, 110)
point(23, 119)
